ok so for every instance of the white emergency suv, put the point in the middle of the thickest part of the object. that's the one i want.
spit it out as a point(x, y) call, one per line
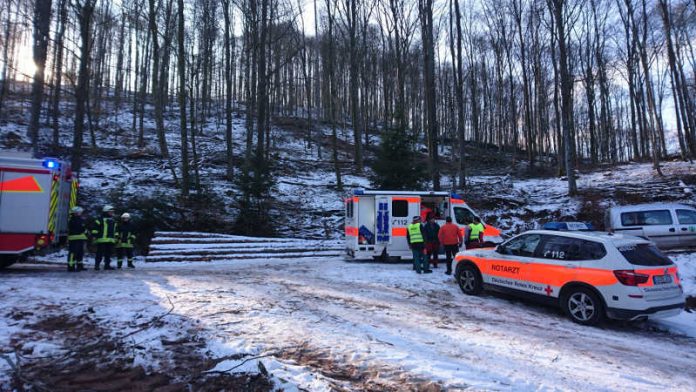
point(35, 199)
point(589, 275)
point(376, 221)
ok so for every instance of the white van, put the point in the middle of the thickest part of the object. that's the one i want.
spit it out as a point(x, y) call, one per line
point(668, 225)
point(376, 221)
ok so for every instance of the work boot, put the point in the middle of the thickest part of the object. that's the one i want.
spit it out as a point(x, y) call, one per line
point(71, 268)
point(80, 267)
point(108, 267)
point(130, 264)
point(119, 264)
point(428, 271)
point(96, 266)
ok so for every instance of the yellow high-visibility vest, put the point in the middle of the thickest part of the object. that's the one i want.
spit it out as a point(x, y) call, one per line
point(476, 230)
point(414, 233)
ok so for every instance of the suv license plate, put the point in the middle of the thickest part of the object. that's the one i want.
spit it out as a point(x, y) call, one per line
point(662, 279)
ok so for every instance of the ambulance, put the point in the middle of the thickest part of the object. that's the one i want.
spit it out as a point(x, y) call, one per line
point(35, 198)
point(376, 221)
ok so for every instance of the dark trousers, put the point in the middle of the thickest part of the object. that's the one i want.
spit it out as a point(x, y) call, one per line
point(104, 251)
point(432, 249)
point(473, 243)
point(124, 252)
point(76, 251)
point(450, 252)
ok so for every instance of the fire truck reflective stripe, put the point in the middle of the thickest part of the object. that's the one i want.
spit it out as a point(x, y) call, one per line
point(457, 201)
point(73, 193)
point(27, 184)
point(53, 206)
point(408, 199)
point(547, 274)
point(351, 231)
point(399, 232)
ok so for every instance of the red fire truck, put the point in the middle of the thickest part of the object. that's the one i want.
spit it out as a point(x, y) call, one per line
point(35, 199)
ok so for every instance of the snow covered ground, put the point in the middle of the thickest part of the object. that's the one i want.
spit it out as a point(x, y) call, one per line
point(325, 324)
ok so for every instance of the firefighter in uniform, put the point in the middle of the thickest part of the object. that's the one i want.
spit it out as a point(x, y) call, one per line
point(475, 237)
point(104, 236)
point(414, 237)
point(77, 238)
point(124, 246)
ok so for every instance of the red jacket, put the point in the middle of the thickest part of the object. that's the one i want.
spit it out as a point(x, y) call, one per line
point(450, 234)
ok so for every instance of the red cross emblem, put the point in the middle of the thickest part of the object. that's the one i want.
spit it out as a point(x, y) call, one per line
point(548, 290)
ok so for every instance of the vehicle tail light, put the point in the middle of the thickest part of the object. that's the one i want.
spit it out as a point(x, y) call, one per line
point(42, 241)
point(630, 277)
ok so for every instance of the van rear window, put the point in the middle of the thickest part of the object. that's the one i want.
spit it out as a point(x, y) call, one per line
point(644, 254)
point(646, 218)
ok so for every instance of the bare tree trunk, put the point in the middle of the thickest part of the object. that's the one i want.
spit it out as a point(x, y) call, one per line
point(58, 69)
point(332, 94)
point(42, 22)
point(425, 8)
point(459, 90)
point(84, 11)
point(156, 90)
point(558, 9)
point(181, 65)
point(228, 88)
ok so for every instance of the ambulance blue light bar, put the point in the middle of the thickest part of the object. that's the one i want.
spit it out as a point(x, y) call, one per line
point(51, 164)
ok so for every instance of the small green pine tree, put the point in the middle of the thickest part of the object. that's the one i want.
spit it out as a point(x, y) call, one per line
point(397, 165)
point(255, 182)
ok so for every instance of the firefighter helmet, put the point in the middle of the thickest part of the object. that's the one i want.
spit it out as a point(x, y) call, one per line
point(125, 216)
point(108, 208)
point(77, 210)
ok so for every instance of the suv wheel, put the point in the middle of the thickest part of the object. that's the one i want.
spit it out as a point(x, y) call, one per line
point(469, 279)
point(583, 306)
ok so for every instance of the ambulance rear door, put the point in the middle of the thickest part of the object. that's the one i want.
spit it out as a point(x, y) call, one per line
point(403, 209)
point(383, 220)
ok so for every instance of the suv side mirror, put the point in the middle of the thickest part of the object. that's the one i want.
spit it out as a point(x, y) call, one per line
point(501, 249)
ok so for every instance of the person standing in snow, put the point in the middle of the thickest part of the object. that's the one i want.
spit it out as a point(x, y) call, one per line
point(432, 244)
point(77, 238)
point(475, 236)
point(124, 246)
point(451, 238)
point(414, 237)
point(104, 236)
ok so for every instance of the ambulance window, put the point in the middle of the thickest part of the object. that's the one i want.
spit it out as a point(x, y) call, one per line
point(524, 245)
point(644, 254)
point(463, 216)
point(399, 208)
point(567, 248)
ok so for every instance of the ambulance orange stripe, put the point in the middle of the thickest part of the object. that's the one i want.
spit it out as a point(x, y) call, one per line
point(351, 231)
point(399, 232)
point(26, 184)
point(490, 231)
point(457, 201)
